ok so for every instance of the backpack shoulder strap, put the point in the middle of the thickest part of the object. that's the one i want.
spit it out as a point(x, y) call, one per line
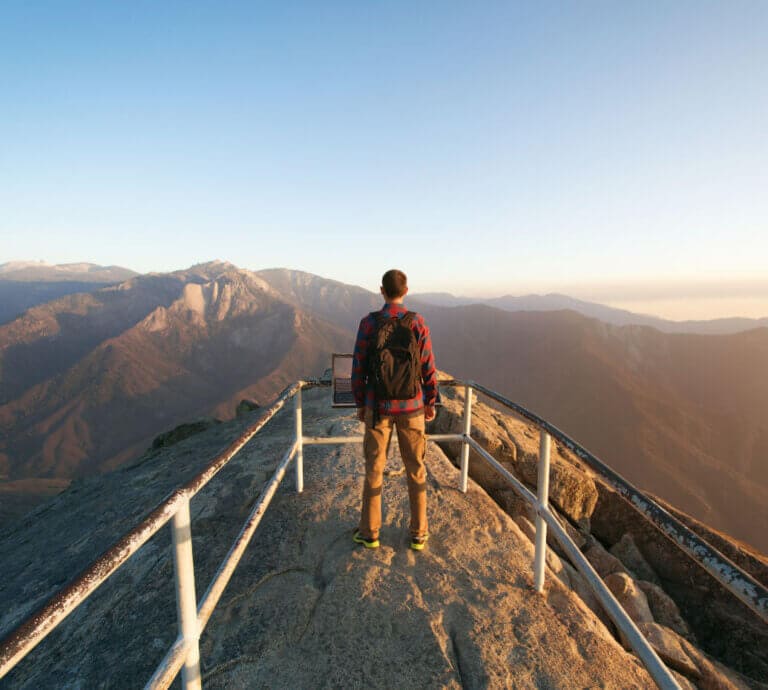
point(380, 318)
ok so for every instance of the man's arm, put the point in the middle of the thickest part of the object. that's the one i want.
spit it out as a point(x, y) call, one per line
point(358, 366)
point(428, 372)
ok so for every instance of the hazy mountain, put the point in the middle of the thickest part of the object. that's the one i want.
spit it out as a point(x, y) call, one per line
point(618, 317)
point(338, 302)
point(683, 416)
point(123, 364)
point(39, 271)
point(25, 284)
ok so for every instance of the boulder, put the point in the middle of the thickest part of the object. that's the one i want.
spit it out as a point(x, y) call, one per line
point(685, 658)
point(603, 562)
point(485, 431)
point(246, 406)
point(513, 504)
point(627, 552)
point(665, 610)
point(183, 431)
point(580, 587)
point(723, 626)
point(630, 596)
point(714, 675)
point(515, 445)
point(576, 535)
point(669, 647)
point(683, 682)
point(573, 492)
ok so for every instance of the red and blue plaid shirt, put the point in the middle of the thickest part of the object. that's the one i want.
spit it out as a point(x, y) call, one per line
point(363, 392)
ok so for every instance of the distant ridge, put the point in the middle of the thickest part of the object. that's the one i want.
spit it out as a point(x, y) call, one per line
point(681, 415)
point(612, 315)
point(25, 284)
point(80, 272)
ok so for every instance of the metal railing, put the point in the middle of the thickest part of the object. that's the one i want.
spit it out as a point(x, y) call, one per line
point(193, 616)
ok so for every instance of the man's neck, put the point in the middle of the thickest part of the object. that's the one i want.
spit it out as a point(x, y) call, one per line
point(398, 301)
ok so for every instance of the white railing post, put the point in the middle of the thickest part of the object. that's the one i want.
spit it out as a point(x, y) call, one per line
point(299, 444)
point(543, 503)
point(186, 600)
point(467, 430)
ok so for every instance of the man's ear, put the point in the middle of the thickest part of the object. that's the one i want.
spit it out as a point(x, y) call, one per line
point(406, 292)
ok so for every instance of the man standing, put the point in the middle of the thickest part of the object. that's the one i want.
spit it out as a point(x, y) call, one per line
point(394, 383)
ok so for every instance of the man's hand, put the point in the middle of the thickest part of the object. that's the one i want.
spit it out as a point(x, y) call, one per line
point(361, 414)
point(429, 413)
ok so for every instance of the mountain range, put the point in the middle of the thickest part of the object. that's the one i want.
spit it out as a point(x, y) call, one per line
point(88, 380)
point(24, 284)
point(618, 317)
point(681, 415)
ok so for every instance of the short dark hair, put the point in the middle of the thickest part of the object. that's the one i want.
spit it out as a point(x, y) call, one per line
point(395, 283)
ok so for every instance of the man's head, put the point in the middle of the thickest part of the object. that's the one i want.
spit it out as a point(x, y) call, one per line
point(394, 285)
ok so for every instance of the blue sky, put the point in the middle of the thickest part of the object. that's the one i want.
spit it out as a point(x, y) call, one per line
point(483, 147)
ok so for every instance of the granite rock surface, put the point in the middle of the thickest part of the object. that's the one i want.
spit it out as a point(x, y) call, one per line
point(306, 607)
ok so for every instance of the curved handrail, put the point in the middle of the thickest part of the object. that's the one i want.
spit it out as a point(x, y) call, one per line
point(734, 579)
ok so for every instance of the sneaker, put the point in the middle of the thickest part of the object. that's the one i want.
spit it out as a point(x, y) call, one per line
point(367, 543)
point(418, 543)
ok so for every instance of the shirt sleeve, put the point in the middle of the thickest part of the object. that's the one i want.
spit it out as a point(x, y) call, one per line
point(358, 364)
point(428, 370)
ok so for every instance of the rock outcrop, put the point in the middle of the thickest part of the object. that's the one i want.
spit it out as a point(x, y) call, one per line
point(305, 605)
point(245, 406)
point(723, 627)
point(630, 596)
point(515, 445)
point(602, 561)
point(627, 552)
point(646, 572)
point(665, 610)
point(670, 649)
point(181, 432)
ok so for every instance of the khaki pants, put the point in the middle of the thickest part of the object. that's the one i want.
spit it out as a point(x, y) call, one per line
point(413, 446)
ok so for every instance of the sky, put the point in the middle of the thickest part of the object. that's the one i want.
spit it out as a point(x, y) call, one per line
point(607, 150)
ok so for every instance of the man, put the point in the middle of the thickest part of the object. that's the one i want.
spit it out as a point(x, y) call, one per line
point(413, 404)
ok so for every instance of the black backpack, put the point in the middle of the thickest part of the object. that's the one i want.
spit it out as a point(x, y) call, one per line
point(394, 359)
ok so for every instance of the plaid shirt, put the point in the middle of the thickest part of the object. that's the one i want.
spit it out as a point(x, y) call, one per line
point(364, 396)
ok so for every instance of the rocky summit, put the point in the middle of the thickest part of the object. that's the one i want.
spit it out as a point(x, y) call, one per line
point(309, 608)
